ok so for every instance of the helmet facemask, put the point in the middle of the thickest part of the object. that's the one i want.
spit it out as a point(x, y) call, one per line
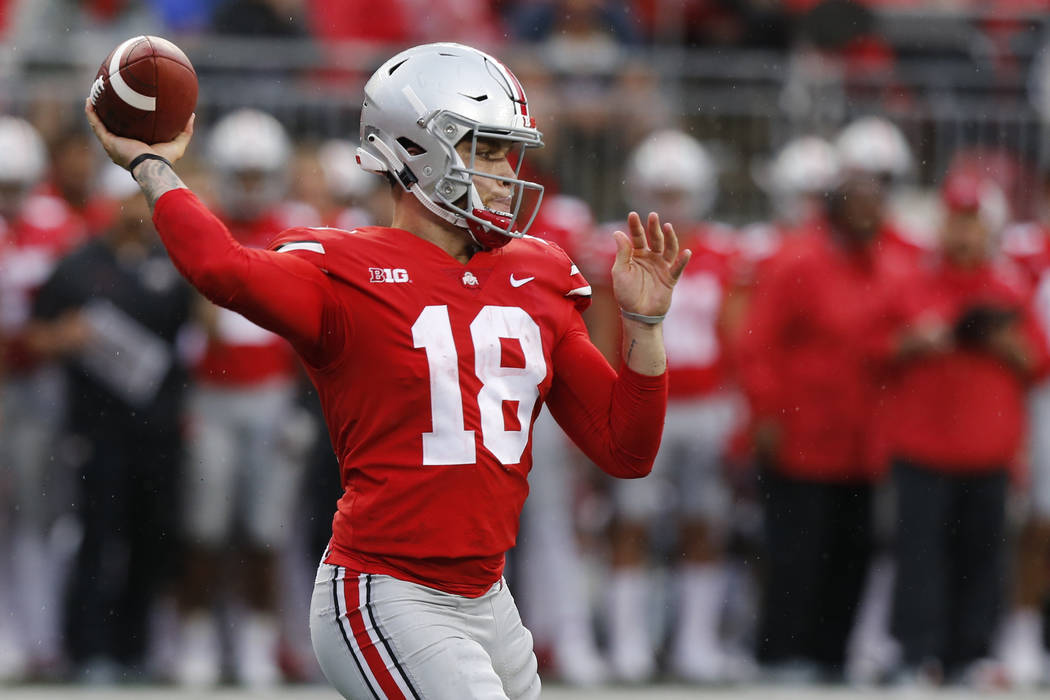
point(457, 192)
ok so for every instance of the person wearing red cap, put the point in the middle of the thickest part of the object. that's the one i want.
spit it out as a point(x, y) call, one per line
point(966, 351)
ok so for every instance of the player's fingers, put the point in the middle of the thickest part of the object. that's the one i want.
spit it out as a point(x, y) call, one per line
point(623, 248)
point(634, 225)
point(679, 267)
point(187, 132)
point(670, 244)
point(96, 124)
point(656, 235)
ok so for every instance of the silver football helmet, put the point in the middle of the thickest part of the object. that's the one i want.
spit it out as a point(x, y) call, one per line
point(250, 152)
point(802, 172)
point(424, 101)
point(25, 156)
point(875, 146)
point(672, 173)
point(23, 164)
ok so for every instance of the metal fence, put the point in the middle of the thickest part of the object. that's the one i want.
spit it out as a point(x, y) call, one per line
point(743, 104)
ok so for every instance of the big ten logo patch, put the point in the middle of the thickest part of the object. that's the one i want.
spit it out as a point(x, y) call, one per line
point(388, 275)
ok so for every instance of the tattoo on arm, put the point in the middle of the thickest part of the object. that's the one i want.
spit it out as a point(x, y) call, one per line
point(156, 178)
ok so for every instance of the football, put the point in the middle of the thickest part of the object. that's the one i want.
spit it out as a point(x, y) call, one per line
point(146, 89)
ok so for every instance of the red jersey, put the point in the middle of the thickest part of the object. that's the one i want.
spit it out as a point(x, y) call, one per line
point(30, 248)
point(696, 361)
point(813, 345)
point(964, 410)
point(240, 352)
point(430, 372)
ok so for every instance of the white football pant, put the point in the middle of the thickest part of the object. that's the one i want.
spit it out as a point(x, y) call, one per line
point(376, 636)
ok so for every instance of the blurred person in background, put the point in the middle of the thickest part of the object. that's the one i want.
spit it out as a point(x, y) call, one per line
point(246, 441)
point(876, 147)
point(549, 566)
point(809, 358)
point(1022, 646)
point(36, 231)
point(73, 176)
point(796, 182)
point(967, 350)
point(111, 312)
point(673, 173)
point(356, 197)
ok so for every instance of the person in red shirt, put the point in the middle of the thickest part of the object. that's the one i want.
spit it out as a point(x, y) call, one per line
point(245, 446)
point(812, 341)
point(432, 345)
point(876, 146)
point(967, 351)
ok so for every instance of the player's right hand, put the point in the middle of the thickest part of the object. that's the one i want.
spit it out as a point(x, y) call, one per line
point(123, 150)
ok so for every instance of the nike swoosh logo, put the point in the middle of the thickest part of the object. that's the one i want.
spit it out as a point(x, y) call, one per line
point(518, 283)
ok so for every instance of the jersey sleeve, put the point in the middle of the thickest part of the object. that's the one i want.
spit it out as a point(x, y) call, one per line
point(282, 293)
point(617, 420)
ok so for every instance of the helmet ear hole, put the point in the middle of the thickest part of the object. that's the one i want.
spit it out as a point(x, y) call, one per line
point(413, 148)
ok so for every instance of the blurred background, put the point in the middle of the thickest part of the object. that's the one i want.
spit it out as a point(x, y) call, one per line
point(854, 488)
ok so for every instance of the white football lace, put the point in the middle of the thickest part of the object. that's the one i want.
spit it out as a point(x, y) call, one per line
point(96, 89)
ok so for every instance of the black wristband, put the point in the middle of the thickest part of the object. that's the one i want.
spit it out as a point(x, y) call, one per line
point(146, 156)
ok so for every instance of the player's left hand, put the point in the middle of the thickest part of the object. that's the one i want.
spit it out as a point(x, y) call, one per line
point(648, 264)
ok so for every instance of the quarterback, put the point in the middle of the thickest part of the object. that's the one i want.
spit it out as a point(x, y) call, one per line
point(432, 345)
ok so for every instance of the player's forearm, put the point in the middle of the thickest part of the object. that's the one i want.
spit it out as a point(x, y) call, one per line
point(156, 178)
point(281, 293)
point(643, 347)
point(199, 245)
point(617, 420)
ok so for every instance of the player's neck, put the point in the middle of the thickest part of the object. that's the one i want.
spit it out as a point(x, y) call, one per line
point(411, 216)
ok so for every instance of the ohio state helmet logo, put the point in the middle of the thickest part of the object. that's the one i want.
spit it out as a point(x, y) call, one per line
point(469, 280)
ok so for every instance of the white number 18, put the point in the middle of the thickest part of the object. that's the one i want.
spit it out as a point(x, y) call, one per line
point(449, 442)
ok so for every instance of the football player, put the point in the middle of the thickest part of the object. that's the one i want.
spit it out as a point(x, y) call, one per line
point(672, 172)
point(36, 231)
point(356, 198)
point(243, 466)
point(432, 345)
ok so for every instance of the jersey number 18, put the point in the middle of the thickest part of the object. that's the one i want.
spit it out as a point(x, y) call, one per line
point(450, 442)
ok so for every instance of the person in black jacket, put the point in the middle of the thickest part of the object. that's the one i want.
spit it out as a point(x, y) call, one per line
point(111, 313)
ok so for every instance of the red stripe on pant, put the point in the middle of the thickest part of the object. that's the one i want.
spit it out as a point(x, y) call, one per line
point(351, 591)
